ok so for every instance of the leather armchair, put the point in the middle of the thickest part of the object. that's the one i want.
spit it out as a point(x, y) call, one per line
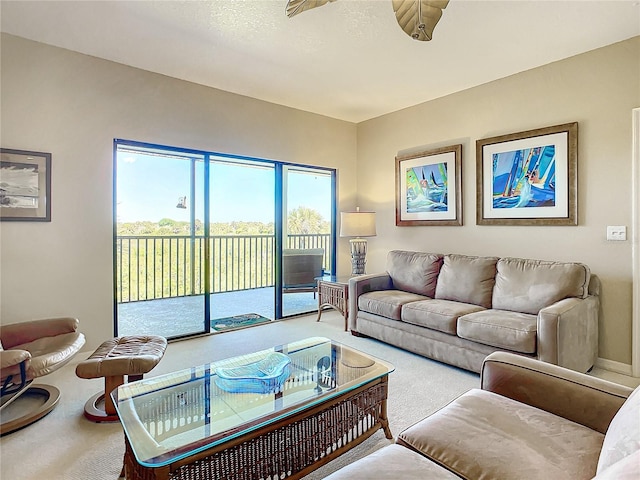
point(30, 350)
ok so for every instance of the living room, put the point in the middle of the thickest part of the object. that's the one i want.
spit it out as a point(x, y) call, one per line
point(74, 106)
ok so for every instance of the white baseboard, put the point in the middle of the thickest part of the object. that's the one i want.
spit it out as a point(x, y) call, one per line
point(613, 366)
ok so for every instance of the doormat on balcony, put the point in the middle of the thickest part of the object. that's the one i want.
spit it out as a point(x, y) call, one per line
point(239, 321)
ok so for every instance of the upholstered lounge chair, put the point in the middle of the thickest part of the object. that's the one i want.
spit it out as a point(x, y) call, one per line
point(30, 350)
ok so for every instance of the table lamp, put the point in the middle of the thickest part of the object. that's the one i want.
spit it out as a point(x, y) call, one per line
point(357, 225)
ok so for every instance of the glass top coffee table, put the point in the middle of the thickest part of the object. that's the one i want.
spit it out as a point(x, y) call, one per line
point(281, 412)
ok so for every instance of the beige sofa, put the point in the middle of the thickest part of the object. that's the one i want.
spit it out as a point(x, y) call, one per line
point(530, 420)
point(458, 309)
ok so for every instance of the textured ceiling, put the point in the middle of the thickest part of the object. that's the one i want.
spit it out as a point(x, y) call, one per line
point(348, 59)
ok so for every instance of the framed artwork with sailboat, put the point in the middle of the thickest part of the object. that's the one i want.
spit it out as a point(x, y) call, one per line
point(428, 187)
point(528, 178)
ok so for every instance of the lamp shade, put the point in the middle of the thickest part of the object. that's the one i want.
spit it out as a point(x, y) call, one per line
point(357, 224)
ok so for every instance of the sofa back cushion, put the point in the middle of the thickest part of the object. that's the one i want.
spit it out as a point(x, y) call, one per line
point(528, 286)
point(467, 279)
point(414, 272)
point(623, 435)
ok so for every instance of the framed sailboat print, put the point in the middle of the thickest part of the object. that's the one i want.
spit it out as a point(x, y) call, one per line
point(528, 178)
point(428, 187)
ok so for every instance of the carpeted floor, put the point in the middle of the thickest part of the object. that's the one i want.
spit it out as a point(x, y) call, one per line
point(66, 446)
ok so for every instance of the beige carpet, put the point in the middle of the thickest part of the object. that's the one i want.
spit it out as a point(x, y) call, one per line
point(64, 445)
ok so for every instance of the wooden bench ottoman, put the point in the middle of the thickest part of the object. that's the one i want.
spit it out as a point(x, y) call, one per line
point(132, 355)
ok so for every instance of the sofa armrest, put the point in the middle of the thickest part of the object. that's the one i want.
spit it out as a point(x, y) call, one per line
point(568, 333)
point(578, 397)
point(25, 332)
point(363, 284)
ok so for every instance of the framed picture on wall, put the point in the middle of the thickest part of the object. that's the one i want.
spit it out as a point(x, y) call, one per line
point(25, 186)
point(428, 187)
point(528, 178)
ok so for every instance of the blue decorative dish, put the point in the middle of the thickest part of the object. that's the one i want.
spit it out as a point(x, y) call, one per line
point(264, 376)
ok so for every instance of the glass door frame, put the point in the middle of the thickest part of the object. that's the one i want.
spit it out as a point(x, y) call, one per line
point(279, 234)
point(283, 186)
point(193, 156)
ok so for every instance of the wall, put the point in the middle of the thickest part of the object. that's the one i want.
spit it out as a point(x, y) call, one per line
point(73, 106)
point(598, 90)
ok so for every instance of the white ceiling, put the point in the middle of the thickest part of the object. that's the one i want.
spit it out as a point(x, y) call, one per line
point(348, 60)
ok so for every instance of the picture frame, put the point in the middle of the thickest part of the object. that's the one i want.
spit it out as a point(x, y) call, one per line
point(25, 179)
point(528, 178)
point(429, 188)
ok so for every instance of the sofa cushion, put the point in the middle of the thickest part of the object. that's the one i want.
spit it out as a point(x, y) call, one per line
point(485, 435)
point(467, 279)
point(511, 330)
point(393, 462)
point(441, 315)
point(530, 285)
point(414, 271)
point(387, 303)
point(623, 435)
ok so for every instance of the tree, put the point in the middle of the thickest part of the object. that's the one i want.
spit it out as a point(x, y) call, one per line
point(301, 221)
point(305, 220)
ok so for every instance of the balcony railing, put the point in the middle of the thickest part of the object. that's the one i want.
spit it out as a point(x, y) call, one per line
point(155, 267)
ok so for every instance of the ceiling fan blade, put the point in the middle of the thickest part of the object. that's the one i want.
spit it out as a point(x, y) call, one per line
point(298, 6)
point(418, 18)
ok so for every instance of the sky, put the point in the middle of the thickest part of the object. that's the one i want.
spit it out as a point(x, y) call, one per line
point(149, 188)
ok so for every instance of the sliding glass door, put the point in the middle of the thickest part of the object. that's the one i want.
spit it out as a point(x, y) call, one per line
point(307, 227)
point(159, 241)
point(206, 242)
point(242, 241)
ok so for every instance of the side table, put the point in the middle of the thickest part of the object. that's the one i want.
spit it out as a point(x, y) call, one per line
point(334, 292)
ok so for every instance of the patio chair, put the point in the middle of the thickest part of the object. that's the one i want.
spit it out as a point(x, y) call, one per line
point(300, 268)
point(30, 350)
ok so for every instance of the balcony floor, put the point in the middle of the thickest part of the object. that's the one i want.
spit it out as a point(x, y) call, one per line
point(171, 317)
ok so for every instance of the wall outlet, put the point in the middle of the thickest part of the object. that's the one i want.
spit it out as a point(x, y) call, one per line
point(617, 233)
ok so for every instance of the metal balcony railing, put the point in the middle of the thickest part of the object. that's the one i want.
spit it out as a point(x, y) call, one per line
point(155, 267)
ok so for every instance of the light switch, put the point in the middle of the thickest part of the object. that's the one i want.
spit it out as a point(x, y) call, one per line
point(616, 233)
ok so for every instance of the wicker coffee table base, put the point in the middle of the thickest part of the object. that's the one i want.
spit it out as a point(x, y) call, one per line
point(290, 448)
